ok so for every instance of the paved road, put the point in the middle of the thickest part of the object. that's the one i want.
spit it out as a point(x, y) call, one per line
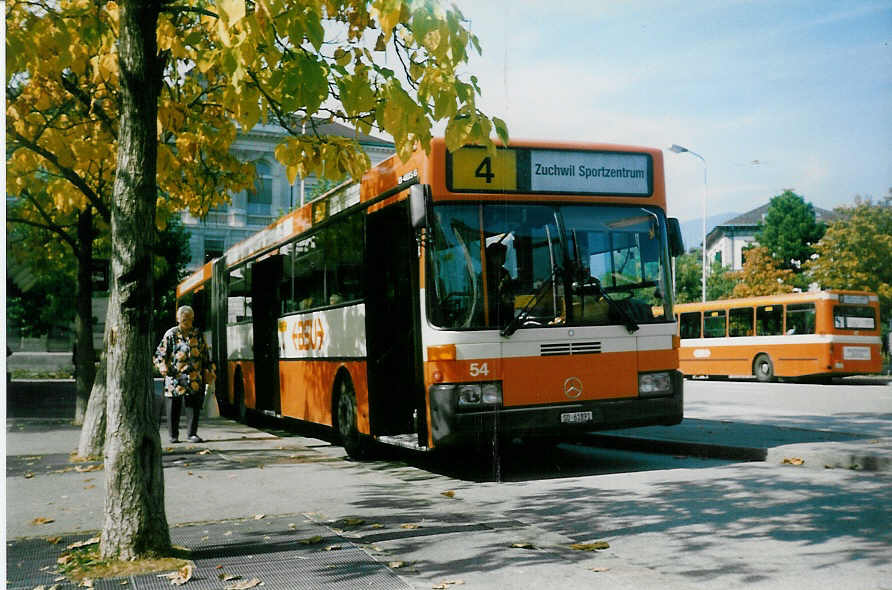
point(671, 521)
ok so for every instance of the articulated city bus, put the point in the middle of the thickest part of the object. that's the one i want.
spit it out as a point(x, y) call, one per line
point(523, 292)
point(815, 334)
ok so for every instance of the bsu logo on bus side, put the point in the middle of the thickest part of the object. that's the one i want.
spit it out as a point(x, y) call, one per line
point(306, 334)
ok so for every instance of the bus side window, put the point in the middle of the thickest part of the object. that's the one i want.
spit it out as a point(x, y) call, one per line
point(800, 318)
point(714, 324)
point(689, 325)
point(239, 306)
point(740, 322)
point(769, 320)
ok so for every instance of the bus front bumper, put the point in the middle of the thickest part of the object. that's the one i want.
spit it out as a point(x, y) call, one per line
point(451, 427)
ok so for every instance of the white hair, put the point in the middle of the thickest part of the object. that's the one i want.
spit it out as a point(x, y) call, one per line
point(184, 309)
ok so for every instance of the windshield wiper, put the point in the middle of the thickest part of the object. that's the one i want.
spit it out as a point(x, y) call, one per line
point(511, 327)
point(590, 282)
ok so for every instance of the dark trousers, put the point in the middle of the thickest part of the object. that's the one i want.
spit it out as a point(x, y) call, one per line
point(175, 408)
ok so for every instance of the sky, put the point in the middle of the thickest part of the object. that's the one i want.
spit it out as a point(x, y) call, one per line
point(773, 95)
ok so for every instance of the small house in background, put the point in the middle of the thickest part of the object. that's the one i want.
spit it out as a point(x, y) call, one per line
point(726, 241)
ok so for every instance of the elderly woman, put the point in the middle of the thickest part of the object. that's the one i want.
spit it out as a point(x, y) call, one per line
point(182, 359)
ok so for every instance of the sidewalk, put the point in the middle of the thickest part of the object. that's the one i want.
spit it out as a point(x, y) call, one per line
point(240, 502)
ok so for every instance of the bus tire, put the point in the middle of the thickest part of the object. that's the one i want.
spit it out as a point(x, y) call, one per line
point(763, 369)
point(241, 410)
point(346, 413)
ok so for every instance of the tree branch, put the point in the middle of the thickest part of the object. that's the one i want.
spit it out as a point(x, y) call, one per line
point(67, 173)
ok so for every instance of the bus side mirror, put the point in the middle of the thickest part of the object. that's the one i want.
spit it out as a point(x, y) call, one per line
point(676, 242)
point(419, 199)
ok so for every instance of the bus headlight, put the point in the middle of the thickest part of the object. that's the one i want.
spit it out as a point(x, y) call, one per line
point(654, 384)
point(470, 395)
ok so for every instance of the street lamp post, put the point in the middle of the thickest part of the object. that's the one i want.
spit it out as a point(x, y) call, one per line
point(679, 150)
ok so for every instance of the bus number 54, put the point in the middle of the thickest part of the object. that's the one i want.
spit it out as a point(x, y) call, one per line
point(478, 369)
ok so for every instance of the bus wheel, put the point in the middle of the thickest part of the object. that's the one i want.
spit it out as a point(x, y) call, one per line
point(348, 431)
point(763, 369)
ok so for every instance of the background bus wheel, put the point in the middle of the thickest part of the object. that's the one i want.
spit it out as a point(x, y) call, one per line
point(763, 369)
point(348, 431)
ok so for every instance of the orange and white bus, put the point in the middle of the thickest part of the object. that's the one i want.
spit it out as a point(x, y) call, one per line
point(813, 334)
point(522, 292)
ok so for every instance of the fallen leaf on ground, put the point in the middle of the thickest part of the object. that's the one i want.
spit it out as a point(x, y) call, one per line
point(85, 469)
point(205, 452)
point(311, 540)
point(353, 521)
point(179, 577)
point(399, 564)
point(224, 577)
point(599, 569)
point(259, 516)
point(333, 548)
point(596, 546)
point(448, 493)
point(29, 475)
point(41, 520)
point(793, 461)
point(90, 541)
point(410, 526)
point(523, 546)
point(54, 540)
point(447, 583)
point(244, 585)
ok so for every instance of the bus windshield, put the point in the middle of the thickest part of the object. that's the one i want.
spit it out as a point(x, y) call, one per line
point(492, 265)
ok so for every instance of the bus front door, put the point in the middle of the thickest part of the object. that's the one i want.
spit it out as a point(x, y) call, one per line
point(396, 401)
point(265, 302)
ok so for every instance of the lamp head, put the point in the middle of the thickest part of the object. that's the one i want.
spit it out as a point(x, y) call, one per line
point(678, 149)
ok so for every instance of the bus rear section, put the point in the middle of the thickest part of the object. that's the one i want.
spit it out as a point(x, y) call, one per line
point(821, 334)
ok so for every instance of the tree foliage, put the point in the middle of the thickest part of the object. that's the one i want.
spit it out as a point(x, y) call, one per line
point(688, 277)
point(720, 282)
point(761, 275)
point(856, 252)
point(790, 231)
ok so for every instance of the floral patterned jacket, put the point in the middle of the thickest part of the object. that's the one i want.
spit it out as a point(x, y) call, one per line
point(184, 357)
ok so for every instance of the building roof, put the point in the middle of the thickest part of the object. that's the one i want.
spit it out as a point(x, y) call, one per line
point(756, 216)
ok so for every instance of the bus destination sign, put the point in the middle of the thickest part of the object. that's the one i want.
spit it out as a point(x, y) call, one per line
point(530, 170)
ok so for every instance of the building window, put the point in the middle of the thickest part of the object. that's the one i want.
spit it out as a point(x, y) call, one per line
point(260, 197)
point(213, 248)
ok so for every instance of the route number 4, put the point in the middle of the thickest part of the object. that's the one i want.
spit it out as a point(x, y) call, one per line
point(484, 170)
point(478, 369)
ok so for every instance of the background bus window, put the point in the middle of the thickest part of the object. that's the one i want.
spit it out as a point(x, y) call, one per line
point(714, 324)
point(854, 317)
point(800, 318)
point(689, 325)
point(769, 320)
point(740, 322)
point(239, 307)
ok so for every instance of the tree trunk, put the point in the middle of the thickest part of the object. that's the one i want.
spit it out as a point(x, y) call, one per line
point(92, 439)
point(135, 522)
point(84, 358)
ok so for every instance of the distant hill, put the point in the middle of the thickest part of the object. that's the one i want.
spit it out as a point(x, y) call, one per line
point(692, 229)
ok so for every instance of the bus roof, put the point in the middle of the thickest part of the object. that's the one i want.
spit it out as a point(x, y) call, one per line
point(583, 172)
point(774, 300)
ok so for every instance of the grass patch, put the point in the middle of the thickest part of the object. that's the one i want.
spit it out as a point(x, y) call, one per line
point(42, 374)
point(81, 561)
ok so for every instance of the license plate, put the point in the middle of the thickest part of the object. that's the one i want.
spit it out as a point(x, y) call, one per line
point(856, 353)
point(576, 417)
